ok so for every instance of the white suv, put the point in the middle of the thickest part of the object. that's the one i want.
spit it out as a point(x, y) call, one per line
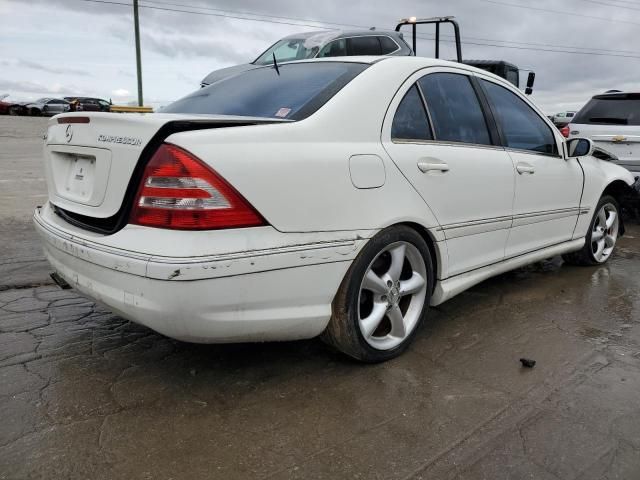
point(612, 121)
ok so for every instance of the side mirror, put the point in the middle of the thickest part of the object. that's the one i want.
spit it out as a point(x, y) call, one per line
point(579, 147)
point(530, 79)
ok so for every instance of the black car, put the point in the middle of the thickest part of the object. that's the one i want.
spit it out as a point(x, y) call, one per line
point(88, 104)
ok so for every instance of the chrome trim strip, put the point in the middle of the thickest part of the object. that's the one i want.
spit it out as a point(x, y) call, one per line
point(472, 227)
point(531, 152)
point(78, 242)
point(445, 143)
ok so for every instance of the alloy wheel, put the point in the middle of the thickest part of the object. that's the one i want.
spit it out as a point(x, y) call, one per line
point(392, 295)
point(605, 232)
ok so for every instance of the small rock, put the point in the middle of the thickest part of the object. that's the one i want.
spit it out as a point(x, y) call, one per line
point(527, 362)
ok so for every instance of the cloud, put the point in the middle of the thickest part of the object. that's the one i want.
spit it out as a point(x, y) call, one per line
point(37, 87)
point(178, 45)
point(121, 92)
point(59, 70)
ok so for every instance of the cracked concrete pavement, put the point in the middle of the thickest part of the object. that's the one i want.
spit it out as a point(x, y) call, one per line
point(85, 394)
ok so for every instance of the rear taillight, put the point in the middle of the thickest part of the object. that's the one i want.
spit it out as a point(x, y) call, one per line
point(179, 191)
point(565, 131)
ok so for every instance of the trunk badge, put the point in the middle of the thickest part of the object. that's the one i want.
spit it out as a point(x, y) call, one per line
point(68, 133)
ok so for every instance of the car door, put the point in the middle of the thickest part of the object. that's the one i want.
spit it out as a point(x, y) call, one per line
point(439, 136)
point(54, 106)
point(547, 187)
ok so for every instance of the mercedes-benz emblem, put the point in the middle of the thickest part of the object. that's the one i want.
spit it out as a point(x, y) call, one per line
point(68, 133)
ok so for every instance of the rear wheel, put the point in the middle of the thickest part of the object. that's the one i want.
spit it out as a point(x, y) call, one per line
point(383, 299)
point(601, 238)
point(14, 110)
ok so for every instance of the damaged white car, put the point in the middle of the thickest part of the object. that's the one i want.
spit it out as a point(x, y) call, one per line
point(334, 197)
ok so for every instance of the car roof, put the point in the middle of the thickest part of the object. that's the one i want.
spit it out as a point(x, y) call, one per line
point(418, 62)
point(328, 35)
point(616, 93)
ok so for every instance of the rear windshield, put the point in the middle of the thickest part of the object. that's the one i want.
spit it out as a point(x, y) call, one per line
point(297, 91)
point(613, 109)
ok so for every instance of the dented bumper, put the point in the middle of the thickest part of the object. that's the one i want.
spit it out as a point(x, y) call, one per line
point(261, 294)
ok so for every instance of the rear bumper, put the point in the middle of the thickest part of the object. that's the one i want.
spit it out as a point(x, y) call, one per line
point(260, 295)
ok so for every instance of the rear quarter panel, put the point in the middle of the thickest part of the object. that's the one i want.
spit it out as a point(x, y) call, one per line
point(297, 174)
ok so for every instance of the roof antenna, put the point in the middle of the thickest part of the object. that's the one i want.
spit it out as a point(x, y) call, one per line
point(275, 64)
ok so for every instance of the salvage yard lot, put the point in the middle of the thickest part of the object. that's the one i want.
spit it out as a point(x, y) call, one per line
point(85, 394)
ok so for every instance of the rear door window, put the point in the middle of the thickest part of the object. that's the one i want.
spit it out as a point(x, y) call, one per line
point(369, 45)
point(454, 108)
point(521, 126)
point(337, 48)
point(387, 45)
point(410, 121)
point(612, 109)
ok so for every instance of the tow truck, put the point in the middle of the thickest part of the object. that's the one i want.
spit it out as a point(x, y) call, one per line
point(506, 70)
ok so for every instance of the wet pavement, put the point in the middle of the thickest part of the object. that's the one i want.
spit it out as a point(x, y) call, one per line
point(85, 394)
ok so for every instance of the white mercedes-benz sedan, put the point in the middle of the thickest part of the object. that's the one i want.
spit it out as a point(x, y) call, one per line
point(334, 197)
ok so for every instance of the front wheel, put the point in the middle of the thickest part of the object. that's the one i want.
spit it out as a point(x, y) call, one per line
point(383, 298)
point(601, 238)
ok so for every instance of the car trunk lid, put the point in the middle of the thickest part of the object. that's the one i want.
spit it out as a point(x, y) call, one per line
point(92, 159)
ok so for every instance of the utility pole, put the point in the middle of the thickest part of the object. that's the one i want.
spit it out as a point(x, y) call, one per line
point(138, 59)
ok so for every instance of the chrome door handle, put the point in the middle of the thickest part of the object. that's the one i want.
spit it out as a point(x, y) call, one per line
point(525, 168)
point(432, 165)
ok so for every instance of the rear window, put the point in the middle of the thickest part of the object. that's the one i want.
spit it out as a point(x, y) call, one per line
point(295, 93)
point(614, 109)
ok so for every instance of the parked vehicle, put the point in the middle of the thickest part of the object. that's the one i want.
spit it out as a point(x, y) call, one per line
point(612, 121)
point(338, 197)
point(563, 118)
point(506, 70)
point(47, 106)
point(335, 43)
point(88, 104)
point(8, 107)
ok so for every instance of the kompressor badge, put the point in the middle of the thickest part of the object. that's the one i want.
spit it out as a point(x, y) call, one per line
point(117, 139)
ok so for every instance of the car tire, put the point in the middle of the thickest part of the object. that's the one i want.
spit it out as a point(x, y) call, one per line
point(600, 240)
point(14, 111)
point(384, 297)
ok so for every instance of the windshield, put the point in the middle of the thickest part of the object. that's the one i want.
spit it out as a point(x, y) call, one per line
point(615, 109)
point(42, 100)
point(297, 91)
point(287, 50)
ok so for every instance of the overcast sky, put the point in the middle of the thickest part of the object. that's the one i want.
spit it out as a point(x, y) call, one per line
point(65, 47)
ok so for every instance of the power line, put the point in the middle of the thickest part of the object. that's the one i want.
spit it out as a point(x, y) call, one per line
point(237, 17)
point(546, 44)
point(614, 5)
point(496, 2)
point(318, 24)
point(366, 27)
point(240, 12)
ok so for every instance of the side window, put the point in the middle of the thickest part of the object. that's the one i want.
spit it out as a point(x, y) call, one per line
point(521, 126)
point(337, 48)
point(363, 46)
point(387, 45)
point(454, 107)
point(287, 51)
point(410, 121)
